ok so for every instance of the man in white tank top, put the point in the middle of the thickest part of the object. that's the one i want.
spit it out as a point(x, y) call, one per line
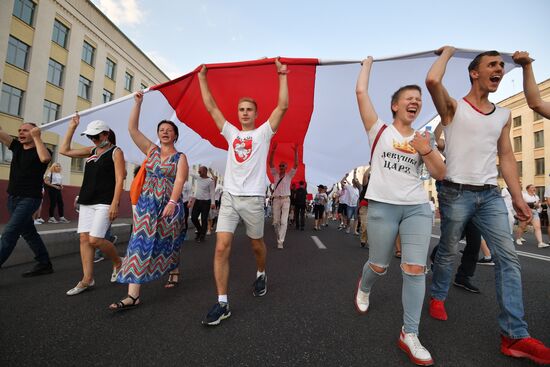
point(475, 132)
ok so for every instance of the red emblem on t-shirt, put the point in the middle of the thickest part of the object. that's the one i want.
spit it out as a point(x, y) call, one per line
point(242, 148)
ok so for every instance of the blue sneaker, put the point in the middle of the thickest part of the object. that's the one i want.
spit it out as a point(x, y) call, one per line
point(260, 286)
point(218, 312)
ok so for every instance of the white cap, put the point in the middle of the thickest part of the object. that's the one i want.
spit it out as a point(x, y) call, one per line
point(96, 127)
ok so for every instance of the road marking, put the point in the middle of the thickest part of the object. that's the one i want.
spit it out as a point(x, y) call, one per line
point(521, 253)
point(318, 243)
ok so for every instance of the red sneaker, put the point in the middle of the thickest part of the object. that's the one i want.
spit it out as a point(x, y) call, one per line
point(437, 309)
point(529, 348)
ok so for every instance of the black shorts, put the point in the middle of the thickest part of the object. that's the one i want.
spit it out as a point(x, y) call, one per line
point(342, 208)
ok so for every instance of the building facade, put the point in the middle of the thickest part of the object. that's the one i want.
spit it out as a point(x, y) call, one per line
point(58, 57)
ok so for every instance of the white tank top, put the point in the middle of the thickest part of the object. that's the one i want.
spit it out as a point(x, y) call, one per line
point(471, 144)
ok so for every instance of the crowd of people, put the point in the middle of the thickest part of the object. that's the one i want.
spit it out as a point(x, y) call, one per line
point(388, 209)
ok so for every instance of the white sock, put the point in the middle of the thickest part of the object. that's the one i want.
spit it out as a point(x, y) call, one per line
point(222, 298)
point(259, 273)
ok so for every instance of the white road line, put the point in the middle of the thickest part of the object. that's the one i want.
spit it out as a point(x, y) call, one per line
point(521, 253)
point(318, 243)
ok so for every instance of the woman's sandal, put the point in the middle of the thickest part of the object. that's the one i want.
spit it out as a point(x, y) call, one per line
point(173, 280)
point(120, 306)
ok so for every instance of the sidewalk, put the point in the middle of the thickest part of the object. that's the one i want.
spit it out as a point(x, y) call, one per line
point(62, 239)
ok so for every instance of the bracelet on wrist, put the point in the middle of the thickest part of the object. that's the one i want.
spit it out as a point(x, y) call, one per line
point(283, 72)
point(425, 154)
point(172, 202)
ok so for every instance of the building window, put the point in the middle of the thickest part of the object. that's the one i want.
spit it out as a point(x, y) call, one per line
point(540, 192)
point(55, 72)
point(143, 86)
point(520, 168)
point(85, 88)
point(128, 81)
point(539, 139)
point(110, 67)
point(60, 33)
point(88, 52)
point(11, 101)
point(517, 121)
point(107, 96)
point(51, 111)
point(539, 167)
point(536, 116)
point(17, 53)
point(517, 144)
point(24, 10)
point(77, 164)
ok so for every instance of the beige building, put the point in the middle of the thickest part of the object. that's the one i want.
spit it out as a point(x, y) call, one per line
point(61, 56)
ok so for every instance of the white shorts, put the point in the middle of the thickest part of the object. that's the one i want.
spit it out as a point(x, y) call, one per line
point(249, 208)
point(94, 219)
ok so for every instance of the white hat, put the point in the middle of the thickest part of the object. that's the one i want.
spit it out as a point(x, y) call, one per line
point(95, 127)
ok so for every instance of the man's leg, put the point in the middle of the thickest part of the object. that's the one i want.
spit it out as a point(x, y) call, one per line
point(221, 261)
point(491, 219)
point(285, 207)
point(277, 213)
point(205, 209)
point(195, 212)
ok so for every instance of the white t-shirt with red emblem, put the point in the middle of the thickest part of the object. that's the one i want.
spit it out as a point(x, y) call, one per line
point(245, 171)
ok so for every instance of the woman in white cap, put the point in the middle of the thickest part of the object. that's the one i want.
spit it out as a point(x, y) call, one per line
point(99, 196)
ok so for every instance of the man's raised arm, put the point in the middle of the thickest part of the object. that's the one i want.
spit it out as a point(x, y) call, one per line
point(282, 103)
point(209, 101)
point(445, 105)
point(530, 88)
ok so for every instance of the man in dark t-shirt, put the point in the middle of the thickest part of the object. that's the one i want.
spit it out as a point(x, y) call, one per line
point(30, 158)
point(300, 198)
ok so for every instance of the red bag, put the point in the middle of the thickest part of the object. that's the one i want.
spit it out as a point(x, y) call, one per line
point(139, 180)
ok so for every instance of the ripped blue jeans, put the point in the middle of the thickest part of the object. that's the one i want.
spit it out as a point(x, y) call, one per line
point(413, 223)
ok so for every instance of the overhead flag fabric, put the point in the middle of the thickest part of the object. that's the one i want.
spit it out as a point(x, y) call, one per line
point(322, 121)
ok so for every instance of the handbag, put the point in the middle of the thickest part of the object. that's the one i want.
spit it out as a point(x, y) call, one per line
point(139, 180)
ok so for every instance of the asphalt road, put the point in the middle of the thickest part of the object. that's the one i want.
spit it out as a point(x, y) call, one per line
point(307, 317)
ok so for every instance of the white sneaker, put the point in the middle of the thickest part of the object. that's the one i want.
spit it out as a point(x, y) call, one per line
point(36, 222)
point(543, 245)
point(40, 220)
point(519, 243)
point(280, 245)
point(208, 233)
point(522, 239)
point(64, 220)
point(418, 355)
point(361, 299)
point(52, 220)
point(80, 287)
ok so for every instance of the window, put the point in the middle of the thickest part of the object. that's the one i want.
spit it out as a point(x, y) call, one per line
point(107, 96)
point(536, 116)
point(60, 33)
point(539, 139)
point(517, 144)
point(51, 111)
point(540, 193)
point(11, 101)
point(128, 81)
point(539, 167)
point(77, 164)
point(517, 121)
point(55, 72)
point(17, 53)
point(520, 168)
point(88, 52)
point(142, 86)
point(24, 10)
point(110, 67)
point(5, 154)
point(85, 88)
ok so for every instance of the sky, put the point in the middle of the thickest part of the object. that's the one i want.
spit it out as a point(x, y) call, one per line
point(180, 35)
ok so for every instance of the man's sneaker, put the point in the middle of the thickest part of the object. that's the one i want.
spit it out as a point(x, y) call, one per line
point(98, 258)
point(40, 220)
point(484, 261)
point(519, 242)
point(522, 239)
point(437, 309)
point(529, 348)
point(37, 222)
point(52, 220)
point(260, 286)
point(543, 245)
point(409, 343)
point(64, 220)
point(218, 312)
point(465, 284)
point(39, 269)
point(361, 299)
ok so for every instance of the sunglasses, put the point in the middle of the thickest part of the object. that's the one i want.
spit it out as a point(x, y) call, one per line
point(93, 137)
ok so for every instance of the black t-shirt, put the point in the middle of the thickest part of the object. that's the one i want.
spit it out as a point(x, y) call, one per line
point(26, 171)
point(300, 196)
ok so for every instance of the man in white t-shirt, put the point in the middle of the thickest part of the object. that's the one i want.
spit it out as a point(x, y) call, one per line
point(281, 194)
point(476, 131)
point(244, 185)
